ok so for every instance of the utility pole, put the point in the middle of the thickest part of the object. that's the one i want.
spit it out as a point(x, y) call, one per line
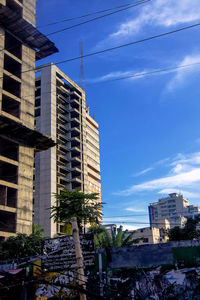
point(82, 77)
point(79, 256)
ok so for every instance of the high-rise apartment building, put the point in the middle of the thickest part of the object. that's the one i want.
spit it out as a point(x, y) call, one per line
point(172, 208)
point(74, 163)
point(21, 43)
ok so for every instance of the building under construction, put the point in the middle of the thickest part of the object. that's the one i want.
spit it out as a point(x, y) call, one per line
point(60, 112)
point(21, 43)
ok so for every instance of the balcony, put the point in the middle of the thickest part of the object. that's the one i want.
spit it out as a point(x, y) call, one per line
point(75, 113)
point(62, 161)
point(75, 132)
point(75, 122)
point(62, 140)
point(75, 160)
point(75, 103)
point(62, 109)
point(75, 151)
point(62, 150)
point(94, 175)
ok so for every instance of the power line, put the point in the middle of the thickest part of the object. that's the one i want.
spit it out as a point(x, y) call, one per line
point(141, 215)
point(122, 78)
point(116, 47)
point(152, 72)
point(129, 44)
point(83, 16)
point(97, 18)
point(143, 223)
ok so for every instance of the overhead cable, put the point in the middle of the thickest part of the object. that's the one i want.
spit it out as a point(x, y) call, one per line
point(116, 47)
point(83, 16)
point(97, 18)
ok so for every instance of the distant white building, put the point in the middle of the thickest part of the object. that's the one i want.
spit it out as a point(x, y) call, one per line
point(172, 208)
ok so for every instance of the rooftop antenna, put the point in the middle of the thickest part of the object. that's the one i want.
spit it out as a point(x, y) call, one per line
point(81, 77)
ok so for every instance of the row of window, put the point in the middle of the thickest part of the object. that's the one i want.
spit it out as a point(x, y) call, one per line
point(90, 151)
point(91, 137)
point(93, 146)
point(94, 186)
point(88, 127)
point(93, 161)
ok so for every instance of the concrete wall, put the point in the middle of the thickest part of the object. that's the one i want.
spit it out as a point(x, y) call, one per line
point(147, 255)
point(45, 162)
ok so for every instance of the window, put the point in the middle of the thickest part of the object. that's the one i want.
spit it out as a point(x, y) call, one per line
point(88, 127)
point(145, 240)
point(37, 112)
point(37, 102)
point(9, 42)
point(91, 137)
point(89, 143)
point(171, 201)
point(11, 106)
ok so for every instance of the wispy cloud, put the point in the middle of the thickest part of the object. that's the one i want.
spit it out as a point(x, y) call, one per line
point(184, 175)
point(143, 172)
point(133, 209)
point(118, 75)
point(183, 192)
point(181, 71)
point(182, 74)
point(157, 13)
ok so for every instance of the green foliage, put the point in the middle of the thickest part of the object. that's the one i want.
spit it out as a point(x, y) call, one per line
point(189, 232)
point(22, 245)
point(85, 207)
point(103, 239)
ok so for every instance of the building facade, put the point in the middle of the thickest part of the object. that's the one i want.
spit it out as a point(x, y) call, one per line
point(18, 40)
point(172, 208)
point(74, 163)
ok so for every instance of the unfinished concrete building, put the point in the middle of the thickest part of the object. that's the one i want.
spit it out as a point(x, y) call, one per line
point(74, 163)
point(19, 40)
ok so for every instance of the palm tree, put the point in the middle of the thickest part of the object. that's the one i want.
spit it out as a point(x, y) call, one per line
point(103, 239)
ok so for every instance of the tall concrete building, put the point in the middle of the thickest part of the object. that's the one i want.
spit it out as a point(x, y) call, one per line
point(74, 163)
point(21, 43)
point(172, 208)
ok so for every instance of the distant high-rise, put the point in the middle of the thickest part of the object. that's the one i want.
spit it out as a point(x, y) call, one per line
point(74, 163)
point(19, 40)
point(171, 207)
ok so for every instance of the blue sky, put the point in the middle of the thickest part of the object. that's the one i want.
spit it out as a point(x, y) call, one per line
point(149, 125)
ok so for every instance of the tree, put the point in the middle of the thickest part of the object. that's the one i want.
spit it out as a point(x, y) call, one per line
point(103, 239)
point(77, 207)
point(189, 232)
point(22, 245)
point(85, 207)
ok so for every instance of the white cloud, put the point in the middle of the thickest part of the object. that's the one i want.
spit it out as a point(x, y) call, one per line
point(143, 172)
point(182, 74)
point(191, 159)
point(118, 75)
point(184, 176)
point(133, 209)
point(183, 192)
point(130, 227)
point(157, 13)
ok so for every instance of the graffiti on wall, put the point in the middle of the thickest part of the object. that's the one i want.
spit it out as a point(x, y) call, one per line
point(60, 252)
